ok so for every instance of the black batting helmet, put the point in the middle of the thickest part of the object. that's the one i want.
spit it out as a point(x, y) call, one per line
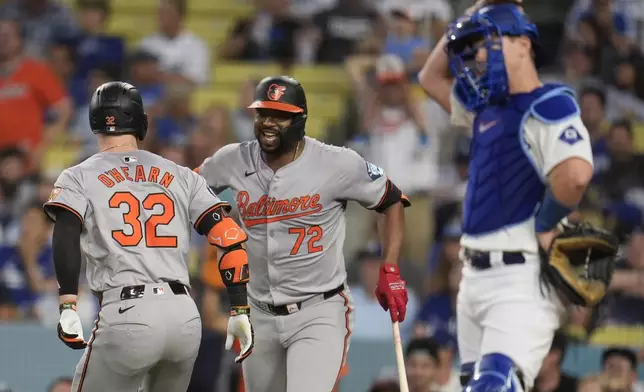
point(117, 109)
point(285, 94)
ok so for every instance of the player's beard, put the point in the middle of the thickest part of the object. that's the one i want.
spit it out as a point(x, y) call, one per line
point(272, 142)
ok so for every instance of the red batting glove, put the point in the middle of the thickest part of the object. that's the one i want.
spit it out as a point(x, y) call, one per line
point(391, 292)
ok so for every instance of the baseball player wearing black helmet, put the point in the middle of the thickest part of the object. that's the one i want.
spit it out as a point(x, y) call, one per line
point(280, 117)
point(116, 108)
point(291, 192)
point(130, 214)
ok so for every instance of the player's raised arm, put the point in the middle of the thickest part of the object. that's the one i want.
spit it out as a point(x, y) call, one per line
point(209, 215)
point(567, 160)
point(367, 184)
point(436, 75)
point(66, 207)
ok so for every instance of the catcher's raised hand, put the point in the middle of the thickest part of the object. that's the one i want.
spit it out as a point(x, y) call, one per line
point(240, 327)
point(70, 329)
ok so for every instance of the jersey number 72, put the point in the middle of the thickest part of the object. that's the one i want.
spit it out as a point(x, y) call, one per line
point(133, 215)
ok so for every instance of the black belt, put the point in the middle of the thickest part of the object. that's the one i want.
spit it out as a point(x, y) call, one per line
point(283, 310)
point(134, 292)
point(481, 260)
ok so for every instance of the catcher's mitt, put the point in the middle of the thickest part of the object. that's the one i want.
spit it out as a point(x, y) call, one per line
point(580, 263)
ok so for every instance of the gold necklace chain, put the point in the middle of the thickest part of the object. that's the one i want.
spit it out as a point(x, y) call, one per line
point(297, 146)
point(117, 146)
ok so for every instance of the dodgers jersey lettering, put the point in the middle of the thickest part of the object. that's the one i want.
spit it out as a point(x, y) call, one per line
point(294, 218)
point(514, 148)
point(136, 209)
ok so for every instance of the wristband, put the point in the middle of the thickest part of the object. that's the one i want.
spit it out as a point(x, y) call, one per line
point(237, 295)
point(239, 310)
point(67, 305)
point(550, 213)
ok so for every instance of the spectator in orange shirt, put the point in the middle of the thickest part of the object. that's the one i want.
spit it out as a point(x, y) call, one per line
point(29, 90)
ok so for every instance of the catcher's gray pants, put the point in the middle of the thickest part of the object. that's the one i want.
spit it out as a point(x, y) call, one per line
point(158, 332)
point(501, 309)
point(301, 351)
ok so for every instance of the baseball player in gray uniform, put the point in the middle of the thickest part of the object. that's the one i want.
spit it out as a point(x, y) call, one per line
point(291, 192)
point(130, 214)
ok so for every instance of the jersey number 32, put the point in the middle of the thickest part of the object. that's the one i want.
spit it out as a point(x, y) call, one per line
point(147, 229)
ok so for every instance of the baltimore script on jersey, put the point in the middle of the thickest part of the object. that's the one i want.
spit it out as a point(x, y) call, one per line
point(269, 209)
point(120, 174)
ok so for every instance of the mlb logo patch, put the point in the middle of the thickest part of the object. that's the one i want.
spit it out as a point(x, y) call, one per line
point(374, 171)
point(54, 193)
point(157, 290)
point(129, 159)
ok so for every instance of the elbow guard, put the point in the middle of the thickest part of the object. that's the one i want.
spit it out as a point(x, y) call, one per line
point(226, 235)
point(229, 237)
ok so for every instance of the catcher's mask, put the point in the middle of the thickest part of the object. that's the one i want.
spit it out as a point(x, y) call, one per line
point(480, 84)
point(116, 108)
point(285, 94)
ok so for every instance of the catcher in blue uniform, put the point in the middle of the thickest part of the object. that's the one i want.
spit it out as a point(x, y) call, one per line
point(530, 163)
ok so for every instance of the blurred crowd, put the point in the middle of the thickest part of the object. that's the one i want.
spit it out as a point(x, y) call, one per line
point(53, 55)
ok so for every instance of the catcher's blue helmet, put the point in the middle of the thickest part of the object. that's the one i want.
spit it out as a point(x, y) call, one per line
point(482, 29)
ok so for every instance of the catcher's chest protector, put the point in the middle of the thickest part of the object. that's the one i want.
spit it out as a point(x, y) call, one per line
point(504, 188)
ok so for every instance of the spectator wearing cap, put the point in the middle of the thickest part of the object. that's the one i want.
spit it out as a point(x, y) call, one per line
point(29, 91)
point(396, 127)
point(551, 377)
point(94, 46)
point(370, 322)
point(183, 57)
point(400, 145)
point(403, 41)
point(421, 360)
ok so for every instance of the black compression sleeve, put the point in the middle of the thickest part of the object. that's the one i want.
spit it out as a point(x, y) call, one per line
point(66, 249)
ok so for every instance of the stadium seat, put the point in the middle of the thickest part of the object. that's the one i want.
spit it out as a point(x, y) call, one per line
point(638, 137)
point(228, 9)
point(327, 79)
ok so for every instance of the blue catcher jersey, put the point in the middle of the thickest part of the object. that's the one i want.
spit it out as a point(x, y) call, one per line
point(514, 147)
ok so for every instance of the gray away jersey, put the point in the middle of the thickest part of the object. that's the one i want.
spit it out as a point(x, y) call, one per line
point(138, 210)
point(294, 217)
